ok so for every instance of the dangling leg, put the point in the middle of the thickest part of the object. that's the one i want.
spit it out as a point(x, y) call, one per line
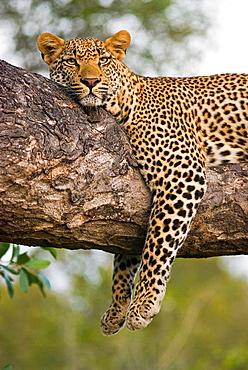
point(169, 224)
point(125, 268)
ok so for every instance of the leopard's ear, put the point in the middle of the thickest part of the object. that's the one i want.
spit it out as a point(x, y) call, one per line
point(50, 46)
point(118, 44)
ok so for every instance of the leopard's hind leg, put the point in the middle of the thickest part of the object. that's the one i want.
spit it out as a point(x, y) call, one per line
point(125, 268)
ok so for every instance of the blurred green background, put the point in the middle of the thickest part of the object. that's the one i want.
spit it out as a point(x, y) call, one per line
point(203, 321)
point(166, 33)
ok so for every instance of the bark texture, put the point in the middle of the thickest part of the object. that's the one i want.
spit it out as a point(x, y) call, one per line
point(69, 179)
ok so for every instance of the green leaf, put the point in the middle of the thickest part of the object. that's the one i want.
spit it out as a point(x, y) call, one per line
point(3, 248)
point(15, 251)
point(53, 251)
point(9, 270)
point(23, 259)
point(23, 281)
point(34, 279)
point(8, 367)
point(37, 264)
point(41, 286)
point(9, 284)
point(45, 280)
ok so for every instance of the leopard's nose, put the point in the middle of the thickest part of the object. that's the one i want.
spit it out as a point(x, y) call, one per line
point(90, 82)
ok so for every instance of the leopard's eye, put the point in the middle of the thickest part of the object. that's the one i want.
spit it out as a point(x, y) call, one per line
point(71, 62)
point(104, 60)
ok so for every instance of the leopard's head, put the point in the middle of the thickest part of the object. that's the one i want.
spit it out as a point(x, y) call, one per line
point(92, 68)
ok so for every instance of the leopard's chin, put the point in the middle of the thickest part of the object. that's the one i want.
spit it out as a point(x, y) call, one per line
point(90, 101)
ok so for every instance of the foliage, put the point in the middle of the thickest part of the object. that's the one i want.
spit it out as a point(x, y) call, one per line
point(24, 266)
point(167, 34)
point(201, 326)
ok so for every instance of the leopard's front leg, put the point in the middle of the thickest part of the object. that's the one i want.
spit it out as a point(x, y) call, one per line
point(170, 221)
point(125, 268)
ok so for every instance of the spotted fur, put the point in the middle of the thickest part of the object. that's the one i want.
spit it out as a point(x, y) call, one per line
point(177, 127)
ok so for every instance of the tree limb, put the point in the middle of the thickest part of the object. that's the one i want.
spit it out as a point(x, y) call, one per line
point(69, 179)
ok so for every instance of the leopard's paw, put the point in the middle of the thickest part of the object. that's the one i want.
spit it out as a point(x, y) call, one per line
point(112, 321)
point(141, 312)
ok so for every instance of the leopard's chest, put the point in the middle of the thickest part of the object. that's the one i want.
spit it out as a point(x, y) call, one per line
point(164, 144)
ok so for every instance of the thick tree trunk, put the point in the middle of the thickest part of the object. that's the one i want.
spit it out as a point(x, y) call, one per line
point(69, 179)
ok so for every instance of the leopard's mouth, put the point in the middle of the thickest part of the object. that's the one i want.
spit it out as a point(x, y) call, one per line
point(86, 100)
point(90, 100)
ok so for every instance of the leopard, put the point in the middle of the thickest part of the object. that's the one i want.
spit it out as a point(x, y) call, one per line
point(177, 128)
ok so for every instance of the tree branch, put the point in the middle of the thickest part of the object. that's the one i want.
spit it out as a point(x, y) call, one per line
point(69, 180)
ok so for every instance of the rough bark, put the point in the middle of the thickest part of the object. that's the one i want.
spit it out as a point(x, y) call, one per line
point(69, 179)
